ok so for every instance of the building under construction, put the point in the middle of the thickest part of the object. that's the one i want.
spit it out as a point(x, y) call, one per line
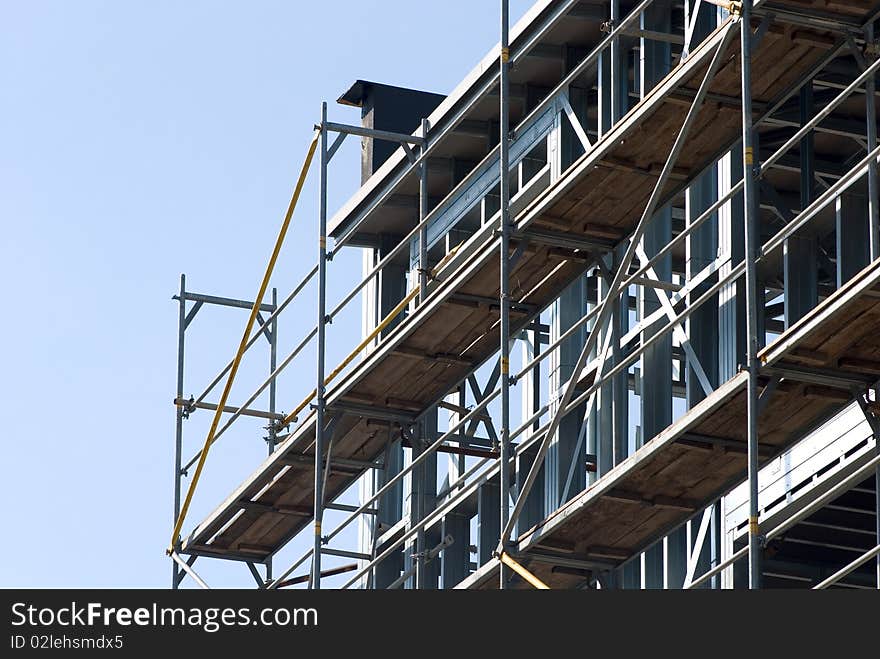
point(647, 356)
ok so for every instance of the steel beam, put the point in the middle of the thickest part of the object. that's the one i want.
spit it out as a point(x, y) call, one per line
point(224, 301)
point(178, 416)
point(373, 133)
point(188, 405)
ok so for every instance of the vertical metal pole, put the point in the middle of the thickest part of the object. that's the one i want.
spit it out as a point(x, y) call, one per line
point(322, 319)
point(873, 212)
point(273, 358)
point(178, 430)
point(873, 184)
point(615, 65)
point(419, 476)
point(751, 238)
point(620, 398)
point(505, 281)
point(417, 502)
point(423, 213)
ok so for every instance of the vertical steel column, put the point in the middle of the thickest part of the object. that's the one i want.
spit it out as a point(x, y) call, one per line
point(455, 560)
point(655, 377)
point(603, 444)
point(415, 556)
point(615, 65)
point(178, 429)
point(504, 121)
point(613, 93)
point(530, 387)
point(567, 310)
point(488, 525)
point(801, 252)
point(421, 500)
point(620, 400)
point(873, 183)
point(322, 320)
point(390, 511)
point(423, 213)
point(873, 212)
point(702, 245)
point(852, 242)
point(731, 304)
point(751, 237)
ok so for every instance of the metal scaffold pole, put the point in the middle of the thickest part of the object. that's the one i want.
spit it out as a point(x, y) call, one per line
point(504, 158)
point(273, 364)
point(179, 409)
point(424, 270)
point(873, 215)
point(322, 323)
point(615, 65)
point(751, 240)
point(871, 134)
point(423, 213)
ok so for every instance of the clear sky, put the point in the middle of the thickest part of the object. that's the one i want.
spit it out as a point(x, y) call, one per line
point(140, 140)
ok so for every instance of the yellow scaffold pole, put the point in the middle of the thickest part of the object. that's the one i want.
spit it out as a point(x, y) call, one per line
point(363, 344)
point(507, 559)
point(354, 353)
point(175, 535)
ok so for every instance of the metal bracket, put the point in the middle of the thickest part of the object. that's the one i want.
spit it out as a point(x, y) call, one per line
point(278, 427)
point(409, 153)
point(189, 408)
point(428, 272)
point(870, 415)
point(857, 53)
point(761, 32)
point(767, 394)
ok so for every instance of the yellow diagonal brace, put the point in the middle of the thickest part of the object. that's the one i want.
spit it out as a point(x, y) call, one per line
point(521, 571)
point(354, 353)
point(244, 339)
point(363, 344)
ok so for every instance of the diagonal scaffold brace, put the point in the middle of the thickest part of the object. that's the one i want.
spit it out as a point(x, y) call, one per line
point(233, 370)
point(615, 287)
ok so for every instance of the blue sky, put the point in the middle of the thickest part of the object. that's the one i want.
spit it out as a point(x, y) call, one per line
point(140, 140)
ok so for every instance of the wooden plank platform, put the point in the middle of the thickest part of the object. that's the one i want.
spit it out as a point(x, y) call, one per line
point(838, 336)
point(444, 339)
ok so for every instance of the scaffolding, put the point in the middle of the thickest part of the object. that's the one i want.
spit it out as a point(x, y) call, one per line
point(686, 192)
